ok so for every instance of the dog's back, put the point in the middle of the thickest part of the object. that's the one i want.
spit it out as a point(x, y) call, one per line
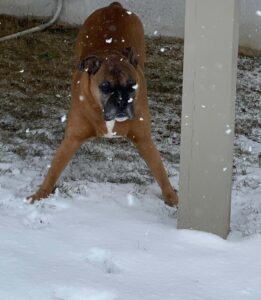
point(111, 28)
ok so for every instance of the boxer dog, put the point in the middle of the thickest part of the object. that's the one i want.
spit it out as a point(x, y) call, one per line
point(109, 95)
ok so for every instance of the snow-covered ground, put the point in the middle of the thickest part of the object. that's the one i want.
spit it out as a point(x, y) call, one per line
point(105, 241)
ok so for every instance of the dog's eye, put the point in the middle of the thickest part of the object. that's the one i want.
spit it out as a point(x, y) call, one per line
point(105, 87)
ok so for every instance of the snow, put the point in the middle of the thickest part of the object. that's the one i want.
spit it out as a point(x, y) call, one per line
point(81, 98)
point(108, 41)
point(228, 131)
point(63, 119)
point(135, 87)
point(113, 241)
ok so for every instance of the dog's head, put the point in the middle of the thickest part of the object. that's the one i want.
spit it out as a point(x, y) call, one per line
point(113, 83)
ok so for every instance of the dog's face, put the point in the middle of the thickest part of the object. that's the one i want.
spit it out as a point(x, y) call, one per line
point(113, 83)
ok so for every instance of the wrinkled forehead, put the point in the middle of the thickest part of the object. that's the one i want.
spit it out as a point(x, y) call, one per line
point(118, 71)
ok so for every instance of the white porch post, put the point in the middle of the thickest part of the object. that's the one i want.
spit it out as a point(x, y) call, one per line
point(209, 90)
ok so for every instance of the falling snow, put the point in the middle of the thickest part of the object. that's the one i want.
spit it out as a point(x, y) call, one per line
point(108, 41)
point(228, 131)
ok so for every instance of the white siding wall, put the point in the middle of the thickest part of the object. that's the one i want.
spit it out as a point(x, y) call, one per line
point(165, 16)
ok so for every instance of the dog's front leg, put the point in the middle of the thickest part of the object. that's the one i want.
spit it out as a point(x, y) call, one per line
point(152, 158)
point(62, 156)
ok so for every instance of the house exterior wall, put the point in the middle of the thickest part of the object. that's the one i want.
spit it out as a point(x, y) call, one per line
point(164, 16)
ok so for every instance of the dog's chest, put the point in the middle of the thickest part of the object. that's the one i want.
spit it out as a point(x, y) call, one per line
point(110, 130)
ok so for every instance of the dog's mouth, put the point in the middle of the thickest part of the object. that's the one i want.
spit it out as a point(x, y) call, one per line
point(121, 119)
point(114, 113)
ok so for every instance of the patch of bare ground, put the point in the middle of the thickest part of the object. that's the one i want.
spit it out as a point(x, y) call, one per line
point(35, 79)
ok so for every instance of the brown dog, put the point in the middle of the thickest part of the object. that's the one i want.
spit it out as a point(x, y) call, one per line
point(109, 96)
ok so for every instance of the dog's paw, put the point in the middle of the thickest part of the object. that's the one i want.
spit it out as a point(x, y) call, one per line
point(35, 197)
point(39, 195)
point(171, 198)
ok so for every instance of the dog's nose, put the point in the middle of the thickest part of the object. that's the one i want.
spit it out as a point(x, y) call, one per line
point(119, 100)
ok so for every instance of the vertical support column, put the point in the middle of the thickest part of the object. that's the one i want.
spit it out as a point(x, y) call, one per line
point(209, 90)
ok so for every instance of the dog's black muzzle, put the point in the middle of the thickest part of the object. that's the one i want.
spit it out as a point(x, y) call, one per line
point(118, 101)
point(119, 107)
point(112, 111)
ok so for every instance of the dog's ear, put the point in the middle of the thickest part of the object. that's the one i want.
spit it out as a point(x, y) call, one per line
point(91, 64)
point(131, 54)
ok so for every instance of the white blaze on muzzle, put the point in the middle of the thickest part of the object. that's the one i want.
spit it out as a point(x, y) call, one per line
point(121, 119)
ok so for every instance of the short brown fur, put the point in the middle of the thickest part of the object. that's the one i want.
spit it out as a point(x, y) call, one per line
point(85, 120)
